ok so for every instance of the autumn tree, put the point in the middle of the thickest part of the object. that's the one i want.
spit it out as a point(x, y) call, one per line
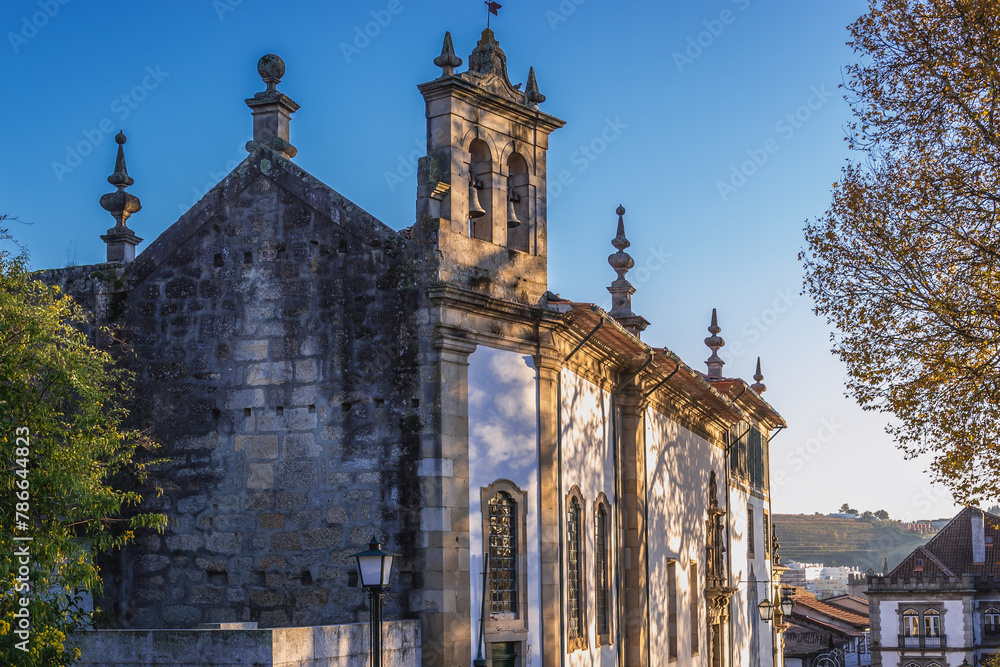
point(68, 467)
point(905, 264)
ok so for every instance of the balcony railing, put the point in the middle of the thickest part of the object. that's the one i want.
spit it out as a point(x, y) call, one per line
point(922, 641)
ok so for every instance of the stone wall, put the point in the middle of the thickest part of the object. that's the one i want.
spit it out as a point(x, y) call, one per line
point(274, 337)
point(321, 646)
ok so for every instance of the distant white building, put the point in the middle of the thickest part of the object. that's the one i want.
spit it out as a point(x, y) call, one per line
point(820, 580)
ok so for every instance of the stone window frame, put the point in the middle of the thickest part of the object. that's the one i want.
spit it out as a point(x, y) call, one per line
point(578, 643)
point(920, 609)
point(508, 627)
point(994, 611)
point(694, 590)
point(603, 638)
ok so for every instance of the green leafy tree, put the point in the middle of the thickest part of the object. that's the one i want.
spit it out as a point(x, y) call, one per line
point(68, 468)
point(882, 515)
point(845, 508)
point(867, 514)
point(905, 264)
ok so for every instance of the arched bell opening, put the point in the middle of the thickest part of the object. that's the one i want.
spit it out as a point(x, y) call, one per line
point(520, 225)
point(480, 191)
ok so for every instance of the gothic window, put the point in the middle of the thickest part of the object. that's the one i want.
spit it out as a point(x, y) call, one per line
point(504, 522)
point(503, 554)
point(602, 578)
point(911, 623)
point(991, 622)
point(575, 626)
point(932, 623)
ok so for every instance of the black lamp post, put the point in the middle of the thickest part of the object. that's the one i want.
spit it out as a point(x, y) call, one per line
point(375, 566)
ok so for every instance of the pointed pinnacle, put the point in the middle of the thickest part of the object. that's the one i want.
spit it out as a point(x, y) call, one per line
point(531, 88)
point(758, 386)
point(714, 328)
point(120, 176)
point(447, 61)
point(620, 241)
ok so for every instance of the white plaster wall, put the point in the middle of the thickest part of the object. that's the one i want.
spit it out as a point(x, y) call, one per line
point(503, 444)
point(888, 616)
point(953, 622)
point(678, 465)
point(588, 463)
point(747, 629)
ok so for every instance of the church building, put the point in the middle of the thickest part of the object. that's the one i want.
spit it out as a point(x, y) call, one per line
point(559, 491)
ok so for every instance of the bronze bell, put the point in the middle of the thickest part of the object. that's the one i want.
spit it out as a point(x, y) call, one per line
point(475, 208)
point(512, 220)
point(512, 198)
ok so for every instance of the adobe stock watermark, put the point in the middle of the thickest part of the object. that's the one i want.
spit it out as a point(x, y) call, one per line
point(586, 155)
point(30, 25)
point(563, 11)
point(754, 328)
point(22, 538)
point(121, 106)
point(406, 166)
point(714, 28)
point(223, 7)
point(786, 127)
point(363, 35)
point(805, 452)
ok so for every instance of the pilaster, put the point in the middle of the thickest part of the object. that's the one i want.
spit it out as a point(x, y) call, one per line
point(632, 454)
point(444, 475)
point(548, 487)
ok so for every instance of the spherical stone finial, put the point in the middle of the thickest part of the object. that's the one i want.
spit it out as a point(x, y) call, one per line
point(271, 68)
point(620, 210)
point(120, 138)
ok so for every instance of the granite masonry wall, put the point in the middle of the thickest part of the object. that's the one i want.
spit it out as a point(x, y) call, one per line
point(274, 336)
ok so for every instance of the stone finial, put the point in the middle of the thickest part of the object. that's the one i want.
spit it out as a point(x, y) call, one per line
point(488, 58)
point(758, 386)
point(714, 342)
point(272, 109)
point(121, 205)
point(447, 61)
point(621, 289)
point(531, 88)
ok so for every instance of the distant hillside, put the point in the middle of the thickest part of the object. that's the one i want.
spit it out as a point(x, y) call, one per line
point(837, 541)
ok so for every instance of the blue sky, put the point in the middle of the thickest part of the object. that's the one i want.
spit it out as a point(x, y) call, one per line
point(717, 124)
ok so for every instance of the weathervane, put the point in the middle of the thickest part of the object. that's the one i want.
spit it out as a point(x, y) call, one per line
point(491, 8)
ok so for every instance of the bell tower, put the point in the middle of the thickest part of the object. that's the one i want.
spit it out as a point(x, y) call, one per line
point(481, 187)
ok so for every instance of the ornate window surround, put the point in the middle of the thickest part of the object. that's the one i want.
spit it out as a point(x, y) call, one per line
point(580, 642)
point(510, 626)
point(603, 638)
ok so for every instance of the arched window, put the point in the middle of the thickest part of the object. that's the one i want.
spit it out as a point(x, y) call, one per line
point(504, 522)
point(503, 554)
point(932, 623)
point(576, 629)
point(911, 623)
point(991, 621)
point(602, 575)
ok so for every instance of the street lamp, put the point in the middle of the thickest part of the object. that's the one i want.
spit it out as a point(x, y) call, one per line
point(375, 566)
point(766, 610)
point(786, 603)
